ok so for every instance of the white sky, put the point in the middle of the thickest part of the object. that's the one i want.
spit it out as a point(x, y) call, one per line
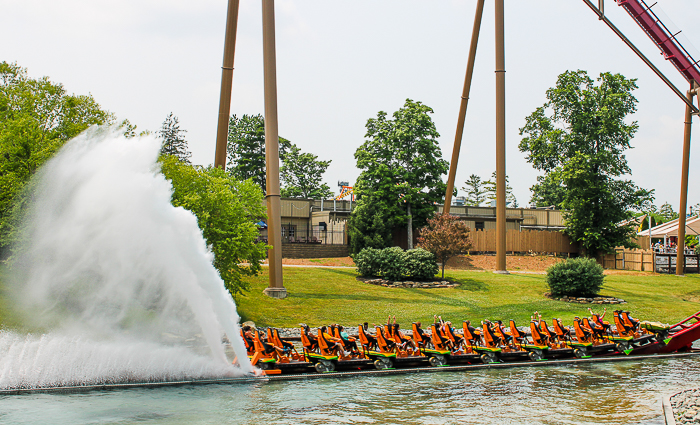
point(340, 62)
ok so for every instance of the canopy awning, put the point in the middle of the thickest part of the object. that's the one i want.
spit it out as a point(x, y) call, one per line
point(692, 227)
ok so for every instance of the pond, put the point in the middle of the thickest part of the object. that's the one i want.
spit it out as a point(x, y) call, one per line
point(619, 393)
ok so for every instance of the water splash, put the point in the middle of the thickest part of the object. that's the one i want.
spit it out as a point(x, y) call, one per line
point(121, 281)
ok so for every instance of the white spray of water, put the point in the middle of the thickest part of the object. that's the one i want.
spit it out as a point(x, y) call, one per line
point(122, 280)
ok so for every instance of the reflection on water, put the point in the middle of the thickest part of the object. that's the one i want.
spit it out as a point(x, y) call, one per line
point(616, 393)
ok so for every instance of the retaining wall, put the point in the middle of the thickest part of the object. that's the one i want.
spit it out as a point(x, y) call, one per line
point(303, 250)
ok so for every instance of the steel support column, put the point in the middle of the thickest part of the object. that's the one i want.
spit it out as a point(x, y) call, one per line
point(500, 140)
point(682, 210)
point(463, 106)
point(226, 84)
point(272, 162)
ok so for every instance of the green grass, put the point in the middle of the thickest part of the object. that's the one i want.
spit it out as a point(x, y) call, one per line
point(323, 296)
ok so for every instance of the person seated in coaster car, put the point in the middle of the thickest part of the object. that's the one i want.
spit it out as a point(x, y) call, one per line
point(448, 332)
point(538, 338)
point(563, 333)
point(471, 334)
point(308, 340)
point(500, 331)
point(518, 338)
point(266, 348)
point(247, 336)
point(403, 341)
point(334, 344)
point(598, 319)
point(630, 321)
point(384, 342)
point(583, 335)
point(273, 337)
point(421, 339)
point(368, 341)
point(596, 329)
point(491, 339)
point(544, 330)
point(348, 342)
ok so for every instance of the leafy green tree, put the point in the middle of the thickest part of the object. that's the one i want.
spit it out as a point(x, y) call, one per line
point(226, 210)
point(547, 192)
point(490, 191)
point(402, 169)
point(667, 212)
point(301, 175)
point(37, 117)
point(474, 188)
point(578, 137)
point(245, 149)
point(173, 137)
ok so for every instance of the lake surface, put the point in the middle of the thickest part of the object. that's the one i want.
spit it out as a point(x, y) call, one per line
point(614, 393)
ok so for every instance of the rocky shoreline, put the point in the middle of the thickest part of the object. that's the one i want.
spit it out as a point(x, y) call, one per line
point(686, 406)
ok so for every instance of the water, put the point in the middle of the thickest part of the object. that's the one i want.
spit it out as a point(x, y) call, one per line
point(119, 283)
point(615, 393)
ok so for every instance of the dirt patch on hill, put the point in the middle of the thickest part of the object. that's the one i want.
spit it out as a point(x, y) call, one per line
point(529, 263)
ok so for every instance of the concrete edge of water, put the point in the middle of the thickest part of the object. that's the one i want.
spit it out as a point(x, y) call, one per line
point(253, 379)
point(668, 409)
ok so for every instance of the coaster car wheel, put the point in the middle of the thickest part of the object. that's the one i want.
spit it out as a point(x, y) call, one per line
point(324, 366)
point(579, 352)
point(535, 355)
point(622, 346)
point(489, 358)
point(263, 365)
point(383, 363)
point(436, 361)
point(661, 336)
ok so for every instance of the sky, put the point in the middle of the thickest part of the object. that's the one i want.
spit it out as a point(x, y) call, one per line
point(341, 62)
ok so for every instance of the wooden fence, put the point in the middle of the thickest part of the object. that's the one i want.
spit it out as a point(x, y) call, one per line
point(629, 259)
point(523, 241)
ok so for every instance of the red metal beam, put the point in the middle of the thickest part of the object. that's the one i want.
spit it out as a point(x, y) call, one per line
point(671, 48)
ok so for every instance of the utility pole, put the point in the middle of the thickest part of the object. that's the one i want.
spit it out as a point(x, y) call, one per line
point(680, 246)
point(463, 107)
point(272, 160)
point(500, 141)
point(226, 84)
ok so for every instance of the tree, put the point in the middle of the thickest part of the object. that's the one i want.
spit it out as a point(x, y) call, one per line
point(490, 191)
point(667, 212)
point(445, 236)
point(37, 117)
point(547, 192)
point(174, 142)
point(301, 175)
point(245, 149)
point(226, 211)
point(402, 169)
point(475, 191)
point(578, 138)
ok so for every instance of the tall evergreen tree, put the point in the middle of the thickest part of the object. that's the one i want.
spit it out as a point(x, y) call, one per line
point(475, 192)
point(173, 137)
point(490, 191)
point(245, 149)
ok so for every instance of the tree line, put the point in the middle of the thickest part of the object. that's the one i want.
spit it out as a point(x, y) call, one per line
point(577, 139)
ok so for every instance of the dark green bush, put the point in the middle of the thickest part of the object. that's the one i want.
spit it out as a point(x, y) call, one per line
point(396, 264)
point(576, 277)
point(420, 264)
point(392, 262)
point(368, 262)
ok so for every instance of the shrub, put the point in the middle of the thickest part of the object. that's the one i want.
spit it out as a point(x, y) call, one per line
point(368, 262)
point(392, 262)
point(420, 264)
point(578, 277)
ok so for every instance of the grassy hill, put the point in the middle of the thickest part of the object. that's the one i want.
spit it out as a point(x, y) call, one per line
point(322, 296)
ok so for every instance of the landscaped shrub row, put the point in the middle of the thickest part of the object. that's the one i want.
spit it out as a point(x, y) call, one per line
point(578, 277)
point(396, 264)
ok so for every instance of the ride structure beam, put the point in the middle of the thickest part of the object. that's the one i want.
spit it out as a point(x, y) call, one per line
point(646, 60)
point(226, 84)
point(276, 288)
point(500, 141)
point(682, 210)
point(463, 106)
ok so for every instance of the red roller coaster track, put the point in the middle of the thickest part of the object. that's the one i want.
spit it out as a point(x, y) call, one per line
point(670, 46)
